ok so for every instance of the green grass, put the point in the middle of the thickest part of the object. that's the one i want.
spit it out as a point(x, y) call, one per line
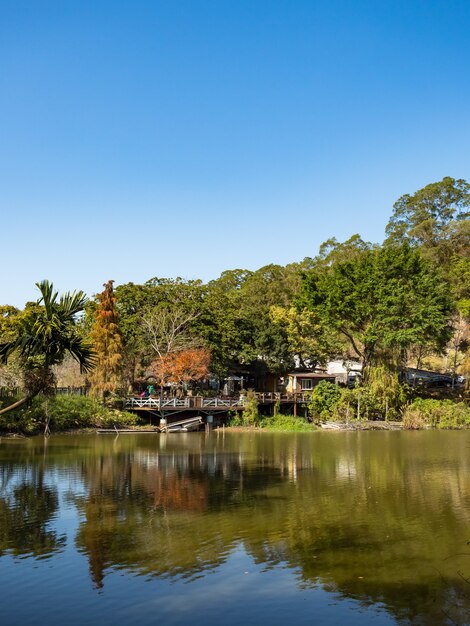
point(286, 423)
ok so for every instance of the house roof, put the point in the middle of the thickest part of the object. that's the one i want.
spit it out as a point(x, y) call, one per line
point(311, 375)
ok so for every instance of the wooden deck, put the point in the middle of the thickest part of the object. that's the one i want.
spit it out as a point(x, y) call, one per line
point(210, 405)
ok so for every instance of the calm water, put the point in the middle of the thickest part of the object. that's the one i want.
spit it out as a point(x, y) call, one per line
point(317, 528)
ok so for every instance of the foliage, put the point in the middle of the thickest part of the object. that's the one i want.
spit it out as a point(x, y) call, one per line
point(188, 365)
point(382, 301)
point(384, 396)
point(324, 400)
point(333, 252)
point(427, 413)
point(234, 418)
point(286, 423)
point(251, 414)
point(107, 345)
point(308, 340)
point(45, 333)
point(435, 217)
point(181, 367)
point(65, 412)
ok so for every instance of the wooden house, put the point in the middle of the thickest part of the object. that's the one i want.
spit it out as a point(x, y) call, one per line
point(299, 382)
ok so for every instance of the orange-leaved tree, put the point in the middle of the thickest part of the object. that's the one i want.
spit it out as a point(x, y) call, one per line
point(107, 345)
point(182, 367)
point(188, 365)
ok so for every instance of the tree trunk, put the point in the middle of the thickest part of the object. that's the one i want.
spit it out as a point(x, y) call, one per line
point(15, 405)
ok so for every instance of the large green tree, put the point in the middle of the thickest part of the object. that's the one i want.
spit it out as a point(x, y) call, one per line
point(45, 333)
point(383, 301)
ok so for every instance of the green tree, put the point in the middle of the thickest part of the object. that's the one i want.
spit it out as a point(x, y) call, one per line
point(132, 301)
point(107, 345)
point(45, 333)
point(310, 343)
point(435, 217)
point(383, 301)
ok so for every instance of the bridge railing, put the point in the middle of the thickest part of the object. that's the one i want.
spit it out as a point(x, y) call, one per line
point(269, 397)
point(154, 403)
point(221, 402)
point(196, 402)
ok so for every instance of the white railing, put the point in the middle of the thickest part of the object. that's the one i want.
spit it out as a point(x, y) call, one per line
point(154, 403)
point(196, 402)
point(221, 402)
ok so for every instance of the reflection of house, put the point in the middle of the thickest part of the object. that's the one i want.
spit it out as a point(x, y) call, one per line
point(305, 381)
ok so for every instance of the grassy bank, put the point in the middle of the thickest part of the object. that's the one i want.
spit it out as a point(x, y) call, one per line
point(64, 413)
point(286, 423)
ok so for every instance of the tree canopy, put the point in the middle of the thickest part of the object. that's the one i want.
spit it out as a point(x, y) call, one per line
point(382, 301)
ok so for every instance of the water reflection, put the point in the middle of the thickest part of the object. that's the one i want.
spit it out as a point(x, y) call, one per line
point(383, 518)
point(27, 507)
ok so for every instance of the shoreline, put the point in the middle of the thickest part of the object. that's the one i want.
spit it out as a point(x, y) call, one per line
point(330, 426)
point(325, 426)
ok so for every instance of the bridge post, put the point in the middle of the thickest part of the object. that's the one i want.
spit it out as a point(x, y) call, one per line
point(209, 423)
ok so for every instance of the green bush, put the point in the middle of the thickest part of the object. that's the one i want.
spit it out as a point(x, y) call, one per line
point(428, 413)
point(234, 418)
point(65, 413)
point(383, 397)
point(324, 400)
point(286, 423)
point(250, 415)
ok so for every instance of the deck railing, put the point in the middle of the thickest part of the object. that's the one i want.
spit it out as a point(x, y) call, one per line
point(219, 402)
point(154, 403)
point(222, 402)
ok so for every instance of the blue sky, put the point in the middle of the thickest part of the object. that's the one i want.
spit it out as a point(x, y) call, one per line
point(186, 137)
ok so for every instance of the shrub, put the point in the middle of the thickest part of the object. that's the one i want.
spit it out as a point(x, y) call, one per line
point(324, 400)
point(384, 396)
point(428, 413)
point(251, 415)
point(65, 412)
point(234, 418)
point(287, 423)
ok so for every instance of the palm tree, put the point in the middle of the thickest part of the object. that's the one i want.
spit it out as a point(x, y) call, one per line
point(45, 337)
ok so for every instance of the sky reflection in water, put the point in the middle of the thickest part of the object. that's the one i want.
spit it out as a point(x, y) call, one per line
point(317, 528)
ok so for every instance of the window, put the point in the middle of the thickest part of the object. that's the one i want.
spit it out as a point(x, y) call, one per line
point(306, 384)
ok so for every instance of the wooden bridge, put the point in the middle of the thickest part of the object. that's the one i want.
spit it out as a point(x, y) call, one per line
point(210, 405)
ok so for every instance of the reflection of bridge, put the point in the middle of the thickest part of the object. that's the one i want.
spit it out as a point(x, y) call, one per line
point(210, 405)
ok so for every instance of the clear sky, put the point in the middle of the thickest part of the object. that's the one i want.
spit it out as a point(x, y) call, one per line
point(186, 137)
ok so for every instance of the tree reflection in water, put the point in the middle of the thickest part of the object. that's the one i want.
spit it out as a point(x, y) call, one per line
point(26, 510)
point(382, 518)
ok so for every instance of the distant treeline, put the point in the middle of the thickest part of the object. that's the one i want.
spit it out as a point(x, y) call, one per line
point(403, 302)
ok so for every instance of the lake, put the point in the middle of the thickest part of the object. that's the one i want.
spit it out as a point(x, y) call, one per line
point(317, 528)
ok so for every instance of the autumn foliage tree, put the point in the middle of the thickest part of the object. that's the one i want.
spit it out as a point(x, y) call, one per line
point(188, 365)
point(182, 367)
point(107, 344)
